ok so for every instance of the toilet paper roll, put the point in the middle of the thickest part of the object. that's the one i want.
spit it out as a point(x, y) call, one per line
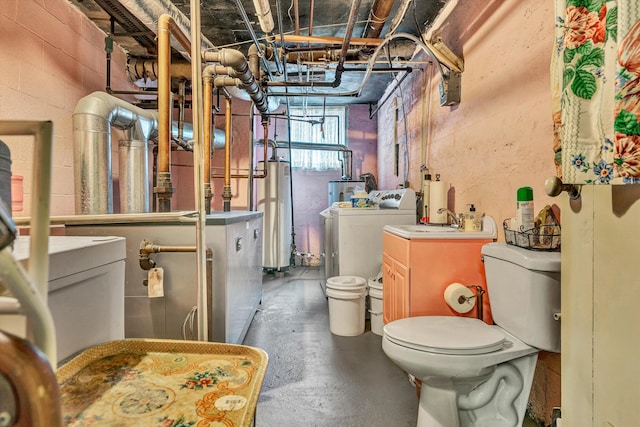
point(437, 201)
point(457, 296)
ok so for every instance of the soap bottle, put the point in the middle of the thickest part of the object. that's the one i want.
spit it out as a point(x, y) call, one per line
point(472, 221)
point(524, 209)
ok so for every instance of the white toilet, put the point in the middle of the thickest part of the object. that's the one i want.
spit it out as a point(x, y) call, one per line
point(475, 374)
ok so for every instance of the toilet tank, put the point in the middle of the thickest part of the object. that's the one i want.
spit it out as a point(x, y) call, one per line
point(524, 290)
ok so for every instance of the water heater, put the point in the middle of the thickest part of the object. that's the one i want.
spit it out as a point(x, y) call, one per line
point(274, 200)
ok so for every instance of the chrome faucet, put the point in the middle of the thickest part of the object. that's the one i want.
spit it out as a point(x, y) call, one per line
point(455, 221)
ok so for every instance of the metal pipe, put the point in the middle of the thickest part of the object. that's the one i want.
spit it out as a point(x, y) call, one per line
point(251, 161)
point(149, 12)
point(226, 192)
point(351, 24)
point(372, 60)
point(133, 169)
point(93, 118)
point(247, 23)
point(240, 70)
point(150, 248)
point(182, 89)
point(207, 119)
point(390, 93)
point(377, 17)
point(311, 8)
point(292, 38)
point(296, 16)
point(166, 28)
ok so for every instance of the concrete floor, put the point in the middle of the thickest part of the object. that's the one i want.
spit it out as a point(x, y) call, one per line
point(315, 378)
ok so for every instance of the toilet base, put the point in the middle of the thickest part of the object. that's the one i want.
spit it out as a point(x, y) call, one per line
point(496, 398)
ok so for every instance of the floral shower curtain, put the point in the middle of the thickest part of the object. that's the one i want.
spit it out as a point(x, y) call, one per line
point(595, 82)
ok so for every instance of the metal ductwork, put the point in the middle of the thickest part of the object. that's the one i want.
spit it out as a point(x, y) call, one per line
point(93, 118)
point(149, 12)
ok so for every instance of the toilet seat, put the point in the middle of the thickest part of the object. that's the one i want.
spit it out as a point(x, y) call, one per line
point(445, 335)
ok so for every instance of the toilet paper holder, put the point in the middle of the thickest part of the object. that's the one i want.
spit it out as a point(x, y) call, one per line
point(478, 295)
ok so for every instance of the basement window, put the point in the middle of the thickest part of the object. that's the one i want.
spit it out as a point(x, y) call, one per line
point(317, 125)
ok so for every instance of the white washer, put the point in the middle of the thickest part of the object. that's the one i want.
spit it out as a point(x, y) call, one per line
point(357, 232)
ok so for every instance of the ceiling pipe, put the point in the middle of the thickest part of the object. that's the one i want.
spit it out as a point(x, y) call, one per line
point(372, 60)
point(377, 17)
point(239, 68)
point(351, 24)
point(296, 16)
point(263, 11)
point(293, 38)
point(149, 13)
point(252, 33)
point(311, 9)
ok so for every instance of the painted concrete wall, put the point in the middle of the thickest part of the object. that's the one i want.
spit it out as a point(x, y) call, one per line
point(51, 55)
point(498, 138)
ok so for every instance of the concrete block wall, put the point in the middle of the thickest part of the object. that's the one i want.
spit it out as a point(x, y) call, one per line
point(51, 56)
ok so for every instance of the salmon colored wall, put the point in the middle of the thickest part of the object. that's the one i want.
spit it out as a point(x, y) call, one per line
point(499, 137)
point(51, 56)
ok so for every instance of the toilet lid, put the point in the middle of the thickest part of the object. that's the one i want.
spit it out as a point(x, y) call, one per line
point(445, 334)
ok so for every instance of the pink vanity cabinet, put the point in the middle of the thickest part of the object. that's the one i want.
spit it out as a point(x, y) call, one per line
point(416, 272)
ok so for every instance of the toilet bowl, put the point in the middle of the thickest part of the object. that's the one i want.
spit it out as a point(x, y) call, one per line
point(457, 358)
point(475, 374)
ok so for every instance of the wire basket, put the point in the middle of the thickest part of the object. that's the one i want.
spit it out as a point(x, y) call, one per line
point(533, 239)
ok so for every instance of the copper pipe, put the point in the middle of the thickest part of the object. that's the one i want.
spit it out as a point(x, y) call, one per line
point(207, 88)
point(150, 248)
point(292, 38)
point(206, 148)
point(166, 28)
point(311, 7)
point(264, 172)
point(226, 192)
point(227, 145)
point(377, 17)
point(296, 17)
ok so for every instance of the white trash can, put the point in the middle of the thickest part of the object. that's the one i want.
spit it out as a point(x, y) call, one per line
point(375, 304)
point(346, 295)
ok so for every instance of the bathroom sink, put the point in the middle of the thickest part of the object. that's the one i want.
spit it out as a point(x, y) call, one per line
point(431, 231)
